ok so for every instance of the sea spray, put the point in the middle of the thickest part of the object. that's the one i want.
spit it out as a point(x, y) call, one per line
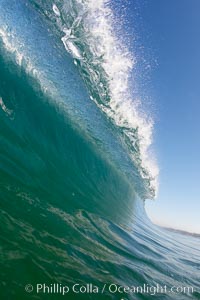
point(106, 64)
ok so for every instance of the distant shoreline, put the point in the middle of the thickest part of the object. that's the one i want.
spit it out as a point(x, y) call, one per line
point(197, 235)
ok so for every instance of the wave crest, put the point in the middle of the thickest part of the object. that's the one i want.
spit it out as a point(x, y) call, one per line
point(88, 31)
point(105, 63)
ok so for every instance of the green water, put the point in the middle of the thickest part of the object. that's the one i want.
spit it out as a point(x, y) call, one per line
point(72, 208)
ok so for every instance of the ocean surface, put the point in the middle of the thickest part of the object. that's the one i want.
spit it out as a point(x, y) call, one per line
point(76, 164)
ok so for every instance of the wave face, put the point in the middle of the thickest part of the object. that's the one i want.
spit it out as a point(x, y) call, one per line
point(74, 164)
point(86, 29)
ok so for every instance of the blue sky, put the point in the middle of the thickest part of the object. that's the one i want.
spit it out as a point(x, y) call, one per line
point(169, 33)
point(175, 33)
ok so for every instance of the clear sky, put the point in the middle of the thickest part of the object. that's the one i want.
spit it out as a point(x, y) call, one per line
point(173, 27)
point(169, 33)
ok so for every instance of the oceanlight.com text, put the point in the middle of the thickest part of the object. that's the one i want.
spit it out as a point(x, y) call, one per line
point(112, 288)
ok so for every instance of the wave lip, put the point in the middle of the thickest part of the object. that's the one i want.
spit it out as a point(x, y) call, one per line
point(105, 63)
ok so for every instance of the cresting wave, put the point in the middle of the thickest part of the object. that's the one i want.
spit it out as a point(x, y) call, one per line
point(106, 65)
point(70, 202)
point(86, 29)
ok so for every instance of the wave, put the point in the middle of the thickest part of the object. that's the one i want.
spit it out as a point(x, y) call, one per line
point(106, 65)
point(86, 28)
point(71, 180)
point(54, 142)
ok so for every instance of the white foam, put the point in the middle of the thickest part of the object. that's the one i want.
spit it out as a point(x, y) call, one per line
point(4, 108)
point(70, 47)
point(56, 10)
point(118, 63)
point(18, 52)
point(12, 45)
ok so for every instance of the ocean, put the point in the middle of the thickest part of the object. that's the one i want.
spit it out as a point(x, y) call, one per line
point(76, 164)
